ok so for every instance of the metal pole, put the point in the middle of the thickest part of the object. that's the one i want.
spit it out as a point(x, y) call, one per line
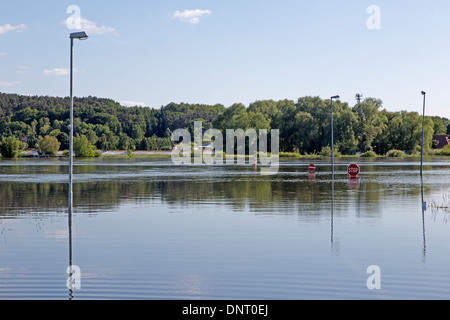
point(423, 135)
point(71, 130)
point(332, 169)
point(332, 210)
point(332, 140)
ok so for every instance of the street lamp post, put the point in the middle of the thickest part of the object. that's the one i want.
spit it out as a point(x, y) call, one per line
point(332, 136)
point(423, 134)
point(80, 36)
point(332, 169)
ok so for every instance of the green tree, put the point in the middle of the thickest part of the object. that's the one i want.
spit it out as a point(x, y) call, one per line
point(371, 122)
point(26, 115)
point(438, 126)
point(44, 126)
point(258, 121)
point(287, 121)
point(124, 142)
point(64, 139)
point(49, 145)
point(345, 124)
point(403, 131)
point(234, 117)
point(11, 147)
point(82, 147)
point(268, 108)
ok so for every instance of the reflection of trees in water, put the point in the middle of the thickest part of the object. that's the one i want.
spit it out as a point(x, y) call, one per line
point(17, 198)
point(262, 194)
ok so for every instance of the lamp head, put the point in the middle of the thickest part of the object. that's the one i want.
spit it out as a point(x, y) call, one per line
point(335, 97)
point(424, 93)
point(82, 35)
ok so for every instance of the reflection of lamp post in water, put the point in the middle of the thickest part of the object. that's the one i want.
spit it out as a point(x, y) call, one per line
point(332, 211)
point(70, 269)
point(424, 208)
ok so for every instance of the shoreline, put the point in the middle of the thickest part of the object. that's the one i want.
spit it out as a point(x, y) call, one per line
point(167, 154)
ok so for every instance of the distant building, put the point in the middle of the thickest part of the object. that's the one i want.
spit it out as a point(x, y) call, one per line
point(208, 148)
point(442, 141)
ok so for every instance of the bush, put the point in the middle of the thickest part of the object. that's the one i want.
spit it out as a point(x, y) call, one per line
point(83, 148)
point(395, 153)
point(49, 145)
point(445, 151)
point(326, 152)
point(11, 147)
point(98, 153)
point(369, 154)
point(290, 155)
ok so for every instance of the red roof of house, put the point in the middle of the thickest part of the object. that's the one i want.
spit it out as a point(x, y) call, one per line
point(442, 140)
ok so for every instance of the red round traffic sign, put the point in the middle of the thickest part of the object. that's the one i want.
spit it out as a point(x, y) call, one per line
point(353, 170)
point(312, 167)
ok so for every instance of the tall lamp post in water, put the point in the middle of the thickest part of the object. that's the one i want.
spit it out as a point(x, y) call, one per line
point(80, 36)
point(423, 134)
point(332, 168)
point(332, 136)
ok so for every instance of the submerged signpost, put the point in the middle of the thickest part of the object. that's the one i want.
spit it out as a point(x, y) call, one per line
point(353, 170)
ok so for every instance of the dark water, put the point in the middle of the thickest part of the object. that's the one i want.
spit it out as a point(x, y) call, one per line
point(146, 229)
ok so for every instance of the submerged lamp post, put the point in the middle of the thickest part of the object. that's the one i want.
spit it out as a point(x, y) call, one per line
point(80, 36)
point(332, 135)
point(423, 134)
point(332, 169)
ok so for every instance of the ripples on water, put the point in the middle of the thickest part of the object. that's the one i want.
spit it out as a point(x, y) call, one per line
point(151, 230)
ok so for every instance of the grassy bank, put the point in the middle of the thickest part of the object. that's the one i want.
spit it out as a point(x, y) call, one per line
point(283, 155)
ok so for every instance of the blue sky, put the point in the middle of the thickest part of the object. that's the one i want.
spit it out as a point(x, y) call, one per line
point(214, 51)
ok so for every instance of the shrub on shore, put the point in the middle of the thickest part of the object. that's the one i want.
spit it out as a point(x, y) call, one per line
point(83, 148)
point(369, 154)
point(11, 147)
point(395, 153)
point(326, 152)
point(290, 155)
point(445, 151)
point(49, 146)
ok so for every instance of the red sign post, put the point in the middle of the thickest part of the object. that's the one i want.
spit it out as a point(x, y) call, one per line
point(353, 170)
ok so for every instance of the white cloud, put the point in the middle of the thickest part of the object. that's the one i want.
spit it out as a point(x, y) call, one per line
point(90, 27)
point(59, 71)
point(132, 104)
point(22, 70)
point(9, 83)
point(2, 54)
point(9, 28)
point(191, 16)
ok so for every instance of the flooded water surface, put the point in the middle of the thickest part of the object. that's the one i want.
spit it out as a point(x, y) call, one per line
point(148, 229)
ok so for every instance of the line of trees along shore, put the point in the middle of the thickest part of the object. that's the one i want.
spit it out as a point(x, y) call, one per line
point(42, 122)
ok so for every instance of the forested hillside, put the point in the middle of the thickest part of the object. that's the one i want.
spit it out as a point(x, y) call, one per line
point(304, 124)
